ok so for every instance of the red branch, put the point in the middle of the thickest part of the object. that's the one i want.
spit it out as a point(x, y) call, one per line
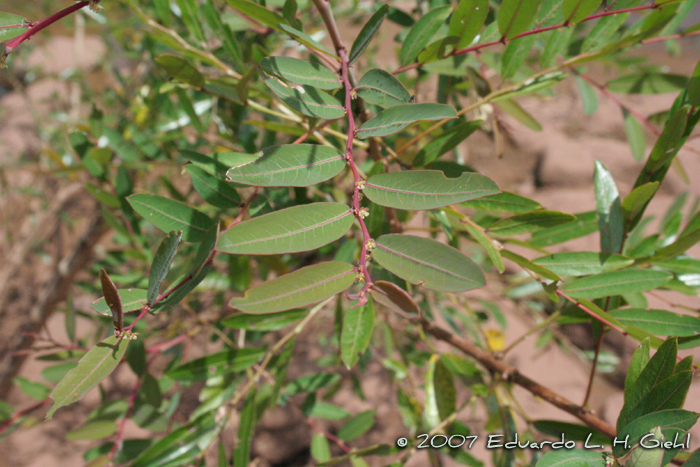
point(21, 414)
point(592, 314)
point(116, 447)
point(38, 26)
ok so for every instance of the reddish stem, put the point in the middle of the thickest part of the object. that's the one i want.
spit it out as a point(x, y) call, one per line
point(504, 40)
point(21, 414)
point(144, 309)
point(163, 346)
point(122, 424)
point(43, 24)
point(339, 442)
point(593, 315)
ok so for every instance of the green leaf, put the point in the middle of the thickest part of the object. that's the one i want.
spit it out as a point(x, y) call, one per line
point(397, 118)
point(467, 20)
point(520, 114)
point(583, 263)
point(367, 33)
point(268, 322)
point(300, 288)
point(610, 221)
point(531, 221)
point(168, 214)
point(290, 165)
point(395, 298)
point(429, 263)
point(570, 431)
point(616, 282)
point(527, 264)
point(33, 389)
point(585, 224)
point(680, 246)
point(670, 422)
point(299, 228)
point(633, 205)
point(356, 426)
point(379, 87)
point(515, 16)
point(181, 69)
point(503, 202)
point(573, 458)
point(246, 426)
point(477, 232)
point(11, 26)
point(440, 392)
point(184, 286)
point(639, 360)
point(212, 189)
point(659, 322)
point(132, 299)
point(96, 429)
point(576, 10)
point(306, 40)
point(513, 58)
point(635, 135)
point(218, 163)
point(420, 34)
point(693, 460)
point(161, 264)
point(648, 83)
point(95, 366)
point(258, 12)
point(358, 324)
point(320, 448)
point(227, 361)
point(667, 146)
point(694, 87)
point(301, 72)
point(446, 141)
point(588, 96)
point(307, 100)
point(425, 189)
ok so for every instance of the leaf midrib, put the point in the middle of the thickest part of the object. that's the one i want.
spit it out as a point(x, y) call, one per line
point(423, 263)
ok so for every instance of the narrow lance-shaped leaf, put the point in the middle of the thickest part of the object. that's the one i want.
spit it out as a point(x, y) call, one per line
point(397, 118)
point(694, 87)
point(585, 223)
point(503, 202)
point(161, 264)
point(358, 323)
point(467, 20)
point(181, 69)
point(445, 142)
point(583, 263)
point(241, 453)
point(168, 214)
point(218, 163)
point(588, 96)
point(633, 205)
point(290, 165)
point(610, 219)
point(440, 392)
point(648, 83)
point(299, 228)
point(515, 16)
point(213, 189)
point(307, 99)
point(379, 87)
point(659, 322)
point(529, 222)
point(301, 72)
point(132, 299)
point(258, 12)
point(300, 288)
point(635, 135)
point(639, 360)
point(425, 189)
point(95, 366)
point(184, 286)
point(616, 282)
point(306, 40)
point(429, 263)
point(232, 360)
point(113, 300)
point(573, 458)
point(576, 10)
point(367, 33)
point(420, 34)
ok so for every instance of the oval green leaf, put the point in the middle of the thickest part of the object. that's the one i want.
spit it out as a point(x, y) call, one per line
point(515, 16)
point(307, 100)
point(503, 202)
point(529, 222)
point(367, 33)
point(467, 20)
point(420, 34)
point(379, 87)
point(168, 214)
point(95, 366)
point(301, 72)
point(11, 26)
point(356, 426)
point(161, 264)
point(212, 189)
point(583, 263)
point(291, 230)
point(616, 282)
point(659, 322)
point(426, 189)
point(429, 263)
point(132, 300)
point(297, 289)
point(218, 163)
point(648, 83)
point(607, 199)
point(181, 69)
point(290, 165)
point(397, 118)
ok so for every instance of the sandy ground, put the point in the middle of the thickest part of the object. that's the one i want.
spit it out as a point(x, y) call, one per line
point(554, 166)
